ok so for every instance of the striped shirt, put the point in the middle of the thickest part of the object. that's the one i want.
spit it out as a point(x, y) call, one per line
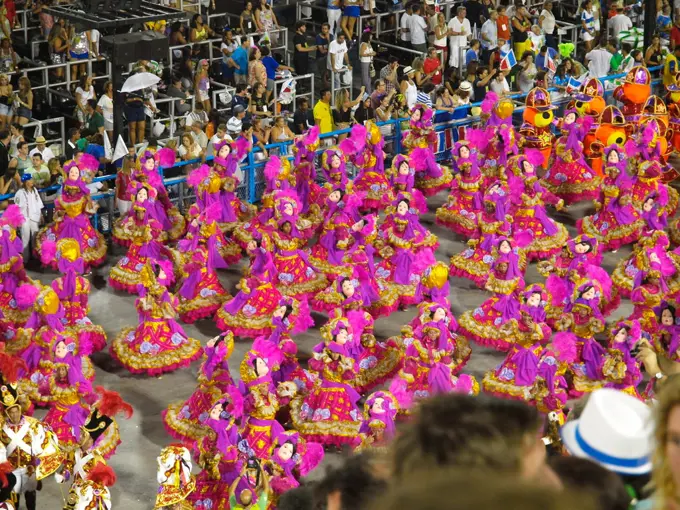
point(423, 98)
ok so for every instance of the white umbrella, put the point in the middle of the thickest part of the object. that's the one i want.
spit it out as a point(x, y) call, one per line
point(139, 81)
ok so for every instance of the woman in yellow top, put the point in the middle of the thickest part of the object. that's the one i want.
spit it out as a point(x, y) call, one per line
point(199, 30)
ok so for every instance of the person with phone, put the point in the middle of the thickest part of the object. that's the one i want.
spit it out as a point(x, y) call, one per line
point(245, 498)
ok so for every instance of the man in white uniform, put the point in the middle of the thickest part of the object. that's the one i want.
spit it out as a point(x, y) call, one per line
point(459, 35)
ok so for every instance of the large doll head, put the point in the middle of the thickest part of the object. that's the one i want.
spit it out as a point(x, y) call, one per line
point(637, 86)
point(539, 108)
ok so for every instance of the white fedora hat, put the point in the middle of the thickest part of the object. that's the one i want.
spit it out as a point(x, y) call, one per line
point(615, 430)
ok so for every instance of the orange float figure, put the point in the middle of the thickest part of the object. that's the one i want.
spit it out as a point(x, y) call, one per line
point(633, 93)
point(538, 118)
point(611, 130)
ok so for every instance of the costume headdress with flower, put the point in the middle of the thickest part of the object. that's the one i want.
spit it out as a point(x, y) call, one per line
point(335, 176)
point(390, 408)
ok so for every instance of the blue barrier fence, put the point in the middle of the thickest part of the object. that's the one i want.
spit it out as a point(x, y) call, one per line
point(253, 184)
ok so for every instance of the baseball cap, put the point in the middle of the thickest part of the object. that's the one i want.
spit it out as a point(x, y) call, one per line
point(239, 108)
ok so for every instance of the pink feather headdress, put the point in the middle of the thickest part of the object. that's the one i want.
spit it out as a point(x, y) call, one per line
point(88, 163)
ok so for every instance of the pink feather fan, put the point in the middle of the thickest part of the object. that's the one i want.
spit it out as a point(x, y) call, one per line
point(556, 289)
point(196, 177)
point(479, 138)
point(600, 276)
point(565, 345)
point(272, 168)
point(26, 295)
point(534, 156)
point(48, 252)
point(355, 142)
point(490, 100)
point(165, 157)
point(241, 147)
point(312, 457)
point(419, 159)
point(12, 217)
point(312, 136)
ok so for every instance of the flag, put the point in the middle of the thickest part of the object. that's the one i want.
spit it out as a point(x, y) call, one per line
point(508, 60)
point(108, 150)
point(573, 85)
point(550, 62)
point(121, 149)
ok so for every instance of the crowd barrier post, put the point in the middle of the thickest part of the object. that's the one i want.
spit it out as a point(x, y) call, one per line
point(251, 177)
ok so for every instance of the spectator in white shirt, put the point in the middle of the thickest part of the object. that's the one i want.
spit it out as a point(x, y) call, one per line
point(546, 20)
point(31, 205)
point(405, 26)
point(42, 149)
point(619, 22)
point(489, 35)
point(536, 38)
point(459, 35)
point(499, 85)
point(599, 62)
point(418, 27)
point(338, 60)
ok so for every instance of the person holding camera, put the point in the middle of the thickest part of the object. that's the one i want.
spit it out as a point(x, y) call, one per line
point(244, 500)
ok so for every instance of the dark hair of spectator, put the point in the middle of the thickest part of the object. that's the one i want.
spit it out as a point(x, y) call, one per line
point(92, 103)
point(72, 132)
point(299, 498)
point(265, 51)
point(246, 126)
point(355, 482)
point(299, 25)
point(585, 475)
point(460, 430)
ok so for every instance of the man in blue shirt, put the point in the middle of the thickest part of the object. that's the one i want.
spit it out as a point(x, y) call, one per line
point(271, 65)
point(473, 53)
point(239, 59)
point(541, 60)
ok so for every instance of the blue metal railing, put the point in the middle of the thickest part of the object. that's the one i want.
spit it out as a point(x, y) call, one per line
point(252, 186)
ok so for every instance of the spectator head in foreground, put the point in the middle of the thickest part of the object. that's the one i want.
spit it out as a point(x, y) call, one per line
point(462, 431)
point(351, 486)
point(462, 490)
point(606, 487)
point(614, 430)
point(299, 498)
point(666, 471)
